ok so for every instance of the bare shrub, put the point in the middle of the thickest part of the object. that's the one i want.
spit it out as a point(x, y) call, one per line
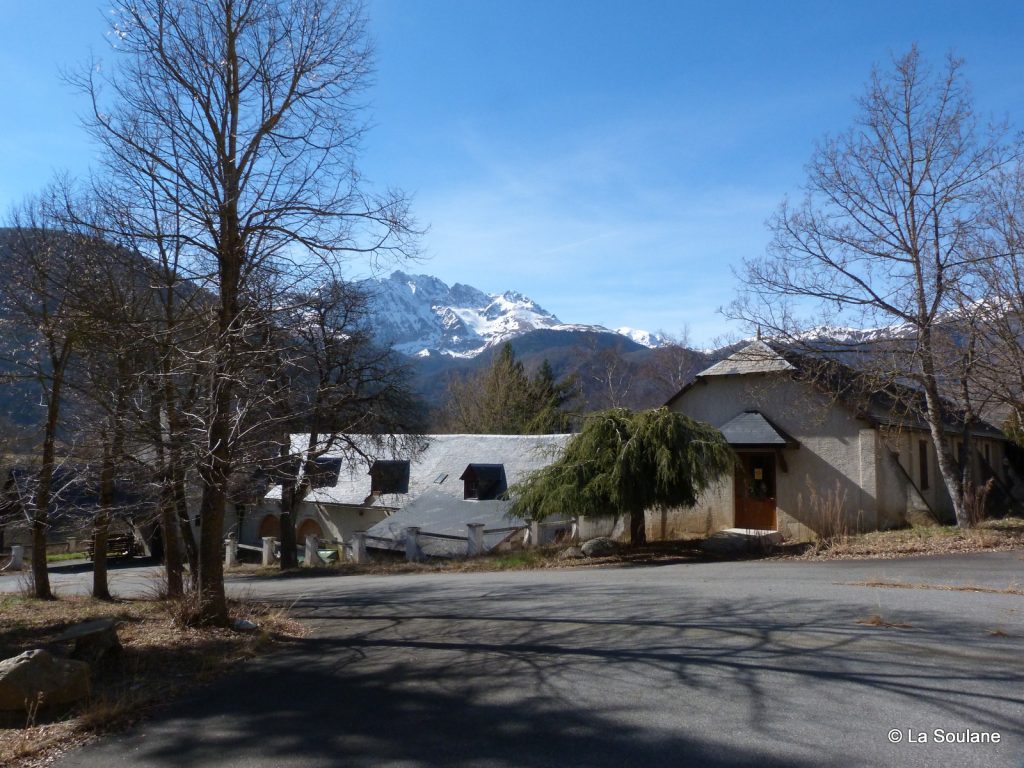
point(826, 515)
point(27, 583)
point(976, 499)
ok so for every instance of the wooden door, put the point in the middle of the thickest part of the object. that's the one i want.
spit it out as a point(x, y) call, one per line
point(755, 491)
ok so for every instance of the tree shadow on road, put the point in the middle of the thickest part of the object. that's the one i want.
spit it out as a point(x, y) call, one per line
point(511, 674)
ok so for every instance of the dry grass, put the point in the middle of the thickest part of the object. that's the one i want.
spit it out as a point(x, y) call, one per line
point(160, 660)
point(988, 536)
point(828, 512)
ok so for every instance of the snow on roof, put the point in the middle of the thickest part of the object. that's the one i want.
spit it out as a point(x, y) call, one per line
point(440, 513)
point(437, 467)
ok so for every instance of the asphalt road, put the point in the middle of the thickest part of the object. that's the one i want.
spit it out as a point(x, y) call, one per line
point(703, 664)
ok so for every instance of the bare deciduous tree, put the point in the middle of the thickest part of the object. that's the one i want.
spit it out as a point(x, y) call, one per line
point(887, 230)
point(239, 120)
point(342, 392)
point(42, 303)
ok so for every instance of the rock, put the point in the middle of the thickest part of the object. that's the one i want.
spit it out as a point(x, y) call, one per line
point(39, 675)
point(93, 639)
point(570, 553)
point(244, 625)
point(738, 541)
point(599, 547)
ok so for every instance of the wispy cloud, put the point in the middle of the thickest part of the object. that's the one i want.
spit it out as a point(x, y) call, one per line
point(601, 232)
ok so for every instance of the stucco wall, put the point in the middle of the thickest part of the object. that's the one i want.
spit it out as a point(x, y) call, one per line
point(338, 521)
point(845, 474)
point(831, 480)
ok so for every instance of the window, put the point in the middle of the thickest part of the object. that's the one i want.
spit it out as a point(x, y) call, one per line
point(922, 456)
point(441, 478)
point(324, 472)
point(389, 477)
point(484, 481)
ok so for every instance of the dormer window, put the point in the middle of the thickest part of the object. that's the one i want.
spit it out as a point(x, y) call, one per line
point(323, 472)
point(389, 477)
point(484, 481)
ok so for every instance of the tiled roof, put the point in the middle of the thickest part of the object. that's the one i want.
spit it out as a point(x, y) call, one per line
point(756, 357)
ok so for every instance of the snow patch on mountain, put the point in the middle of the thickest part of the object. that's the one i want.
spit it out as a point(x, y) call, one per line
point(421, 315)
point(644, 338)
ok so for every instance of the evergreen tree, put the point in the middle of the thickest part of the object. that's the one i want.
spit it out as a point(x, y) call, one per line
point(504, 399)
point(624, 463)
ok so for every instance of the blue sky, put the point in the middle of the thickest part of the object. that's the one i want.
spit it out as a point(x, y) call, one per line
point(614, 161)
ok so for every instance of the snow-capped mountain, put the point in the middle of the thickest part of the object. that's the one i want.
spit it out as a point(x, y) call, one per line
point(421, 315)
point(643, 338)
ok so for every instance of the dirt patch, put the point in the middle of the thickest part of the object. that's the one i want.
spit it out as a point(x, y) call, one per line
point(160, 660)
point(1011, 590)
point(877, 621)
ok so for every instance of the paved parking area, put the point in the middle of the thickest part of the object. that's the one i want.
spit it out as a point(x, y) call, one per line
point(704, 664)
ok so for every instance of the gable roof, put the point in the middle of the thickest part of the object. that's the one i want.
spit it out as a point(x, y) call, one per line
point(889, 404)
point(756, 357)
point(752, 428)
point(437, 467)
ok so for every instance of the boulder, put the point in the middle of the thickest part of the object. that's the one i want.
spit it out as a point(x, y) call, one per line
point(40, 676)
point(570, 553)
point(599, 547)
point(740, 541)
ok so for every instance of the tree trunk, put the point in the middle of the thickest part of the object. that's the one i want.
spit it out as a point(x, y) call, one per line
point(293, 491)
point(637, 528)
point(111, 453)
point(187, 538)
point(171, 533)
point(948, 469)
point(289, 546)
point(40, 512)
point(214, 473)
point(100, 530)
point(213, 608)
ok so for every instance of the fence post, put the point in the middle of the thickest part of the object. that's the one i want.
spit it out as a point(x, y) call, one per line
point(359, 547)
point(268, 550)
point(535, 533)
point(312, 552)
point(412, 544)
point(475, 539)
point(17, 557)
point(230, 552)
point(72, 544)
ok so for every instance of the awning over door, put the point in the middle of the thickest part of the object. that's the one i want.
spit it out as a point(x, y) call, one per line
point(751, 429)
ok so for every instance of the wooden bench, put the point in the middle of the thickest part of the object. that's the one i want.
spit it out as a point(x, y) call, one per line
point(118, 546)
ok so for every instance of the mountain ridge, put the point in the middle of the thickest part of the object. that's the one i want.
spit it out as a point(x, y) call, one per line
point(421, 316)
